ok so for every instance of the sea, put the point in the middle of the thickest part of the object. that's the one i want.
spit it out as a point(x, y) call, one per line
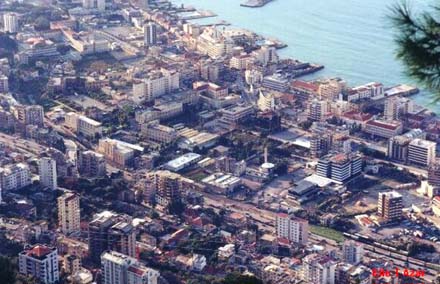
point(354, 39)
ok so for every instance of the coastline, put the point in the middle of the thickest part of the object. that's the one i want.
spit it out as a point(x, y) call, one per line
point(345, 54)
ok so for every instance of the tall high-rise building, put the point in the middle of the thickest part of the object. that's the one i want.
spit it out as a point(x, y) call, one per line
point(390, 206)
point(4, 83)
point(318, 269)
point(434, 173)
point(71, 264)
point(144, 4)
point(209, 71)
point(318, 110)
point(421, 152)
point(150, 34)
point(118, 268)
point(110, 231)
point(47, 169)
point(101, 5)
point(122, 238)
point(69, 213)
point(94, 4)
point(91, 164)
point(167, 186)
point(292, 228)
point(10, 21)
point(396, 107)
point(320, 144)
point(40, 262)
point(352, 252)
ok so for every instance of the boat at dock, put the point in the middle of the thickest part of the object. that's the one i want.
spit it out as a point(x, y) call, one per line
point(255, 3)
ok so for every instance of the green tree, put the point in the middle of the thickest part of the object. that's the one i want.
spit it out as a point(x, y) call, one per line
point(7, 271)
point(418, 43)
point(236, 278)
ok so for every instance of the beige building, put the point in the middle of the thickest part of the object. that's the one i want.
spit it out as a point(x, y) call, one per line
point(83, 125)
point(396, 107)
point(159, 133)
point(69, 213)
point(390, 206)
point(118, 152)
point(241, 62)
point(385, 129)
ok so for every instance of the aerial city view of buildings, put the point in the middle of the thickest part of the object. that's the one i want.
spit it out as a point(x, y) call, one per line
point(137, 146)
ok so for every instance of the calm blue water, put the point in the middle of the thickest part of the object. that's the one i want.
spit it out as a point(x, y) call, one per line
point(352, 38)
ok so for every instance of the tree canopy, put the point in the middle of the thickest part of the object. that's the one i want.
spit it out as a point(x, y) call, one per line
point(418, 43)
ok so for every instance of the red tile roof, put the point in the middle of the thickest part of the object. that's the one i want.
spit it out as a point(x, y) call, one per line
point(303, 85)
point(39, 251)
point(383, 125)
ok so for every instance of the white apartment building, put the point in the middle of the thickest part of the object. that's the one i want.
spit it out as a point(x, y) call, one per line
point(69, 213)
point(47, 168)
point(119, 268)
point(156, 84)
point(292, 228)
point(4, 83)
point(421, 152)
point(212, 43)
point(318, 269)
point(40, 262)
point(83, 125)
point(13, 177)
point(10, 22)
